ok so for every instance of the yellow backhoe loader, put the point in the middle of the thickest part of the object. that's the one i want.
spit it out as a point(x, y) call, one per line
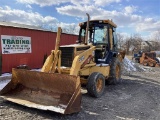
point(93, 61)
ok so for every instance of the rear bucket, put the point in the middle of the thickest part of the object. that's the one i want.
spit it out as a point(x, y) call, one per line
point(46, 91)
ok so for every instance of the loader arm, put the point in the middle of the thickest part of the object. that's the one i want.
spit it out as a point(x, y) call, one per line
point(79, 60)
point(54, 60)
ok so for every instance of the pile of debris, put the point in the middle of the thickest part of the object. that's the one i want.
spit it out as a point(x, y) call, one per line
point(129, 66)
point(4, 79)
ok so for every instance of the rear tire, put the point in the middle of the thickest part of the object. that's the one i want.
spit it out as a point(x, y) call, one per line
point(96, 84)
point(115, 72)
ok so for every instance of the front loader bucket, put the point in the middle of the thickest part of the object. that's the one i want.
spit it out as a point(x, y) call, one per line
point(46, 91)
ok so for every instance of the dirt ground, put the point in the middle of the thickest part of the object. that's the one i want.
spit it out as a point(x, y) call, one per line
point(136, 98)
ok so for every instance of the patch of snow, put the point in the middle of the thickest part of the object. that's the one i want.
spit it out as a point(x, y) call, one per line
point(6, 74)
point(158, 58)
point(129, 65)
point(3, 83)
point(36, 69)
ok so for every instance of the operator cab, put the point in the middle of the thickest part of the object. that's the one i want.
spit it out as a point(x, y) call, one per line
point(102, 34)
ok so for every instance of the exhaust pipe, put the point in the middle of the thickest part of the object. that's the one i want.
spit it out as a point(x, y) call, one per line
point(87, 28)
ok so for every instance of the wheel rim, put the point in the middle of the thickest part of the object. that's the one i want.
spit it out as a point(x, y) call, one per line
point(99, 85)
point(117, 72)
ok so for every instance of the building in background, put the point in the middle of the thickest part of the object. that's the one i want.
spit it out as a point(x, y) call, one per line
point(24, 44)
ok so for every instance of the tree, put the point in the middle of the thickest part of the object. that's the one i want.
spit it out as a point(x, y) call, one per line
point(133, 43)
point(157, 36)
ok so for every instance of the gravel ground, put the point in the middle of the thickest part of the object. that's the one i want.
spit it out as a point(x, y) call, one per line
point(136, 98)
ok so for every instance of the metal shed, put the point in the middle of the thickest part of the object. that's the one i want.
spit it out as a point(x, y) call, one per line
point(42, 42)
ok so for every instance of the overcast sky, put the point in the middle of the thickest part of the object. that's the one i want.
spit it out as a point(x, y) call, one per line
point(131, 16)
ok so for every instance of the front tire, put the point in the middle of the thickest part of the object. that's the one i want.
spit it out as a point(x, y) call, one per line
point(96, 84)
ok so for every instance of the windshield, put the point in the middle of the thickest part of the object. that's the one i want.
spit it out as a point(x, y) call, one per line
point(97, 34)
point(101, 35)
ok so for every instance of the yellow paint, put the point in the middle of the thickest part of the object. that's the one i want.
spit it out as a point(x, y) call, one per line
point(111, 38)
point(79, 60)
point(54, 60)
point(89, 70)
point(104, 70)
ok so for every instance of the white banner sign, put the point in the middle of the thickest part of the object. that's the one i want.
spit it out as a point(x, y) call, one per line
point(15, 44)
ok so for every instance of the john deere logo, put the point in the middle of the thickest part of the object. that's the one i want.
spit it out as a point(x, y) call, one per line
point(81, 59)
